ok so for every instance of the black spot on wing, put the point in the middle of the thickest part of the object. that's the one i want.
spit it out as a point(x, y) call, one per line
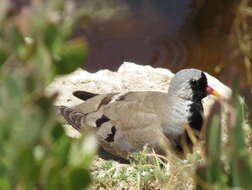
point(110, 137)
point(196, 119)
point(101, 120)
point(84, 95)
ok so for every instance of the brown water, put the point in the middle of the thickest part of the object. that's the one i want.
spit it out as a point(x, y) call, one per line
point(173, 34)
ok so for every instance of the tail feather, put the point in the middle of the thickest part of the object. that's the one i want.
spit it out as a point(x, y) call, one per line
point(74, 118)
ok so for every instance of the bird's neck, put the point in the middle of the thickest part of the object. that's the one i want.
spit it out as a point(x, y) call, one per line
point(196, 118)
point(183, 112)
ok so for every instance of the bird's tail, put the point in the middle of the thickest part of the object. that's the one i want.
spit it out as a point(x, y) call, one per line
point(74, 118)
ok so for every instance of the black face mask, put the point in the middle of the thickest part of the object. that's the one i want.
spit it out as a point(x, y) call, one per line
point(199, 88)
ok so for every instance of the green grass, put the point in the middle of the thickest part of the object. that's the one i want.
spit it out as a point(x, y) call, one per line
point(146, 170)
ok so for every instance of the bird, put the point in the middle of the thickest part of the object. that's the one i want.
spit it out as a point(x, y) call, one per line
point(126, 122)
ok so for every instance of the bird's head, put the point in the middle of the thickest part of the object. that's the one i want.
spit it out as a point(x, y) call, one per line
point(191, 84)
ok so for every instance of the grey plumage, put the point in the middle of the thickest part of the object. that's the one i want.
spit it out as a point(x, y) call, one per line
point(125, 122)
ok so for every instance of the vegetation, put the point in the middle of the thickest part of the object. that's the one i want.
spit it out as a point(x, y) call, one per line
point(228, 162)
point(37, 45)
point(34, 47)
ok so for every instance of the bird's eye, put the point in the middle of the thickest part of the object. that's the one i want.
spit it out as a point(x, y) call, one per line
point(194, 82)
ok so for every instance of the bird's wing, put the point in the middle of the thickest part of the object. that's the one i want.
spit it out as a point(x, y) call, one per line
point(124, 122)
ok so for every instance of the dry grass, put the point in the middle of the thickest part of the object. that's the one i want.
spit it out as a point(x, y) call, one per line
point(146, 171)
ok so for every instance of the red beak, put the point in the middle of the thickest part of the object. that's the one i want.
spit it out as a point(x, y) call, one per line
point(210, 90)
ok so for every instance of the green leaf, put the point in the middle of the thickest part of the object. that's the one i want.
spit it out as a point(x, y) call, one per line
point(2, 169)
point(61, 149)
point(241, 169)
point(14, 88)
point(3, 57)
point(51, 35)
point(79, 179)
point(213, 171)
point(214, 139)
point(30, 83)
point(5, 183)
point(18, 43)
point(45, 104)
point(57, 131)
point(27, 167)
point(238, 134)
point(55, 180)
point(215, 166)
point(72, 55)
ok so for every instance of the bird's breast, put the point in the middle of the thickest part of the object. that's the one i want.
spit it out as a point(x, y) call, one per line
point(178, 115)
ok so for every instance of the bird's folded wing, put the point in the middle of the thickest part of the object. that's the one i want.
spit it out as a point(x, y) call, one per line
point(124, 122)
